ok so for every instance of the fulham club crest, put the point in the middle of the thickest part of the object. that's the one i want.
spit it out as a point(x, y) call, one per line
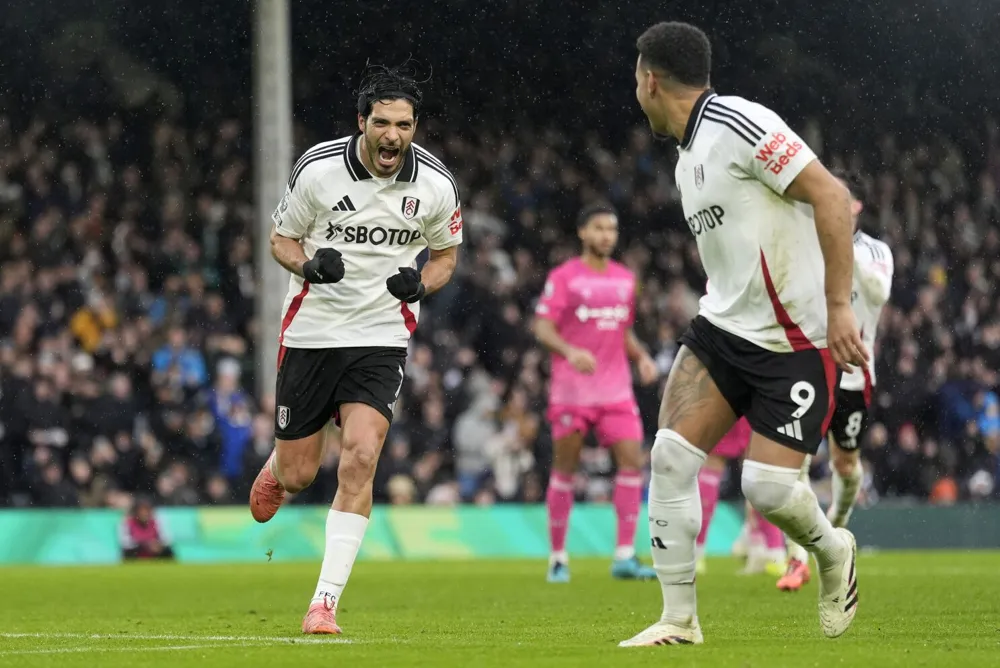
point(410, 207)
point(283, 414)
point(699, 176)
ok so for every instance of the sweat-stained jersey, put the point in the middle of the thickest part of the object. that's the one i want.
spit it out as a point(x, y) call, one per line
point(592, 310)
point(379, 225)
point(759, 248)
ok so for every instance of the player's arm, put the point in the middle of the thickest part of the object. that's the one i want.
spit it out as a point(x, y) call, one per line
point(327, 266)
point(410, 285)
point(549, 310)
point(874, 274)
point(292, 219)
point(547, 334)
point(287, 252)
point(777, 157)
point(443, 232)
point(439, 269)
point(547, 313)
point(635, 348)
point(637, 352)
point(831, 205)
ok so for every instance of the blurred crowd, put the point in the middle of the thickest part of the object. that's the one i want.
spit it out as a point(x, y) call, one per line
point(127, 289)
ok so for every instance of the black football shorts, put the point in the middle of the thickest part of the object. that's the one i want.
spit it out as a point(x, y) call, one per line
point(314, 383)
point(787, 397)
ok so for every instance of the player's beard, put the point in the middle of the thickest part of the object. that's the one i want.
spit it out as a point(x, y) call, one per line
point(598, 252)
point(374, 147)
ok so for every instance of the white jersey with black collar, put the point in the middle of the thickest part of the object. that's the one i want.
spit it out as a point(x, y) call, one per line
point(759, 248)
point(379, 225)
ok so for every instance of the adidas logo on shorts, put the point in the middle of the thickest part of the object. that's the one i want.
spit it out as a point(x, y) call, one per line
point(792, 429)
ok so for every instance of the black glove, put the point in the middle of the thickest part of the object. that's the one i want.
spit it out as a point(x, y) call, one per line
point(406, 286)
point(327, 266)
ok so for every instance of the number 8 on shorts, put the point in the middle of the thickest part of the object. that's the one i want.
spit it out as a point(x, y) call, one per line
point(850, 420)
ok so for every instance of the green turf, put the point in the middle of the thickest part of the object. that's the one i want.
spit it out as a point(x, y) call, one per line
point(917, 609)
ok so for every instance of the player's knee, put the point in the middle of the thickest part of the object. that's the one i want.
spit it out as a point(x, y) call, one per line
point(358, 460)
point(566, 456)
point(630, 462)
point(673, 457)
point(565, 466)
point(845, 463)
point(767, 488)
point(628, 455)
point(297, 474)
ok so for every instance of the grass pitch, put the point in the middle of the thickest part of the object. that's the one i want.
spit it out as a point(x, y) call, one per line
point(916, 609)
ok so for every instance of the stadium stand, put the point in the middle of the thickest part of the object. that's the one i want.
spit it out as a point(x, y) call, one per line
point(127, 307)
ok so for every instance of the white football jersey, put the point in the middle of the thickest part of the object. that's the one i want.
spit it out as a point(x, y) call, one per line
point(873, 268)
point(379, 225)
point(759, 248)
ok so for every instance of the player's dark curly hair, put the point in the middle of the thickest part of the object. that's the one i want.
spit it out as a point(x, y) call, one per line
point(591, 210)
point(380, 83)
point(681, 50)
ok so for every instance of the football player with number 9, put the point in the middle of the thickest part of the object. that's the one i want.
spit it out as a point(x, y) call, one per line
point(773, 229)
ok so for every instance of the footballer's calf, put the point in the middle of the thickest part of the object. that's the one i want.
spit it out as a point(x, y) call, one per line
point(364, 430)
point(298, 461)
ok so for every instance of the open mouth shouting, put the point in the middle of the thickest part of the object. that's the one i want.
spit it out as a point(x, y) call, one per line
point(388, 156)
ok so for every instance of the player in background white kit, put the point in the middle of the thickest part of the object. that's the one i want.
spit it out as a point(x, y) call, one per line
point(774, 329)
point(873, 267)
point(357, 213)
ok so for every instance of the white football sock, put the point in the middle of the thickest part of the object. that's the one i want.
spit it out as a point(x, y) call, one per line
point(623, 552)
point(845, 494)
point(344, 532)
point(560, 557)
point(796, 551)
point(674, 522)
point(804, 469)
point(777, 493)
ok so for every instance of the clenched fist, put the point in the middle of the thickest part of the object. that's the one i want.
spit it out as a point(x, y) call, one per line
point(406, 286)
point(327, 266)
